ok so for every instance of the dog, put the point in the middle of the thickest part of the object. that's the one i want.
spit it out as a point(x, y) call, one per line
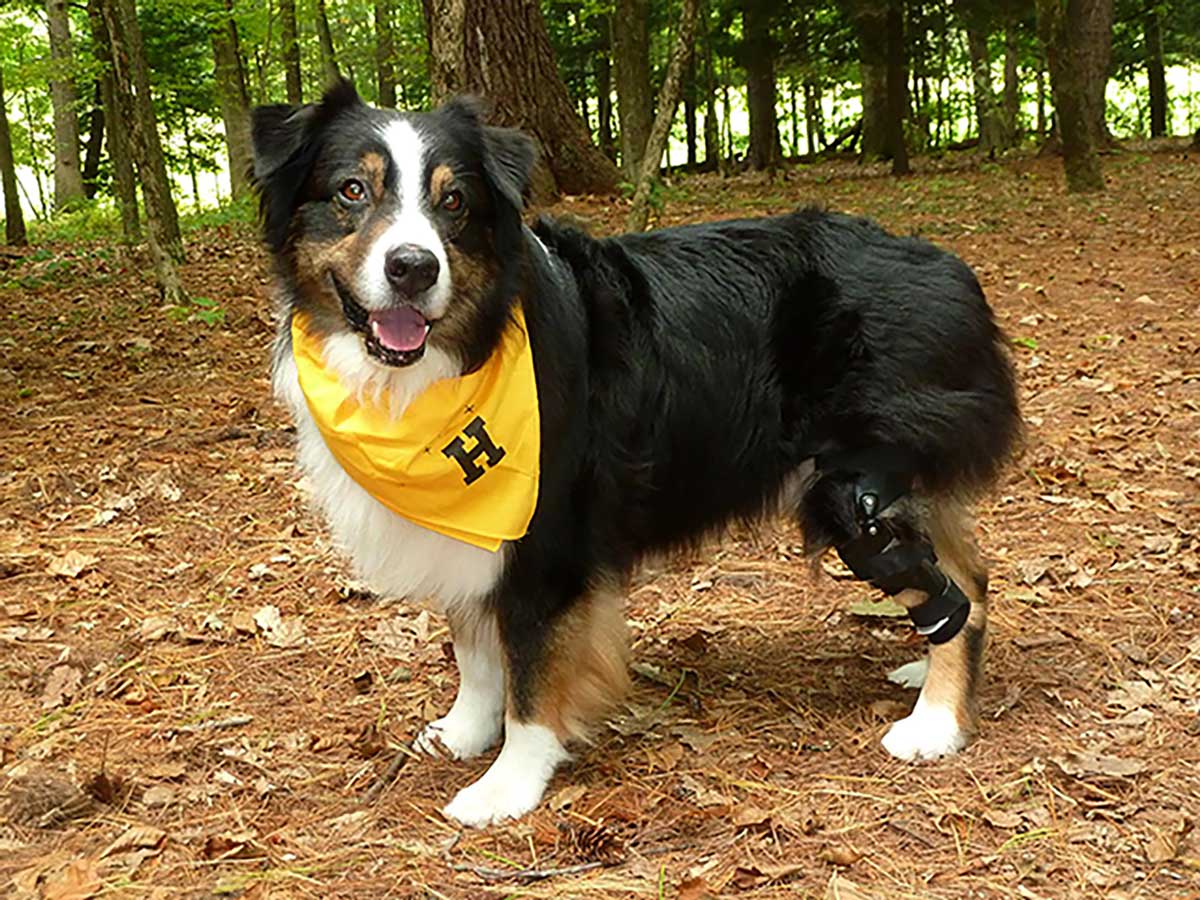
point(653, 388)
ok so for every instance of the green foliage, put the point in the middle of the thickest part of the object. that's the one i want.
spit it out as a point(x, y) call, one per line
point(198, 309)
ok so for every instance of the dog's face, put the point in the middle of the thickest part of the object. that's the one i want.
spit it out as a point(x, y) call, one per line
point(401, 228)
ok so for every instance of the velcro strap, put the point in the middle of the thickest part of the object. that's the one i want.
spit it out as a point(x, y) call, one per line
point(941, 617)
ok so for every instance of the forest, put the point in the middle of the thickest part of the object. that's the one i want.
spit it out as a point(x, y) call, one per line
point(198, 698)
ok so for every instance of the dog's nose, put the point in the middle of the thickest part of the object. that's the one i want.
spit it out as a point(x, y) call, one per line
point(410, 269)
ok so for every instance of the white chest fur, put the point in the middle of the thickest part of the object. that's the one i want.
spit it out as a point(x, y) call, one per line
point(393, 555)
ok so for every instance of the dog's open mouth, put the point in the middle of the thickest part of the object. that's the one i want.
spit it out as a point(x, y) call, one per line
point(395, 337)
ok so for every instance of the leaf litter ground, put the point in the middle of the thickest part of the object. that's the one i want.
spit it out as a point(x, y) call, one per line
point(196, 701)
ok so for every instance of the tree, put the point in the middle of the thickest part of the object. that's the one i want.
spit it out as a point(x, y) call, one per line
point(1155, 70)
point(631, 62)
point(897, 81)
point(870, 25)
point(385, 51)
point(500, 49)
point(119, 151)
point(131, 83)
point(668, 102)
point(759, 55)
point(68, 176)
point(14, 219)
point(230, 77)
point(978, 24)
point(290, 51)
point(1066, 30)
point(329, 66)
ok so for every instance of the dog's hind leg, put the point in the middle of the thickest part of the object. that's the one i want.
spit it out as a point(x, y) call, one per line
point(946, 714)
point(561, 680)
point(474, 721)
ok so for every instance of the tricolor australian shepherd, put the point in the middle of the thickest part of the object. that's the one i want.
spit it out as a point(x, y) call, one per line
point(685, 377)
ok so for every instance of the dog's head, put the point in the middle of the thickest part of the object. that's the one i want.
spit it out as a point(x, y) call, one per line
point(402, 229)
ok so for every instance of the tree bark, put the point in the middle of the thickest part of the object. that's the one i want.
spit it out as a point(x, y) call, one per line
point(1095, 19)
point(14, 219)
point(689, 114)
point(1155, 70)
point(131, 83)
point(870, 24)
point(234, 100)
point(385, 54)
point(290, 51)
point(758, 48)
point(1065, 33)
point(897, 82)
point(119, 152)
point(500, 50)
point(95, 143)
point(1012, 83)
point(631, 62)
point(68, 177)
point(329, 66)
point(712, 132)
point(668, 102)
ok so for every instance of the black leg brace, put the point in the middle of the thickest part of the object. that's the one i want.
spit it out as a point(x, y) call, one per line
point(888, 553)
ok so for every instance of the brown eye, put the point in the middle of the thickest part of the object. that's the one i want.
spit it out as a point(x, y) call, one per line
point(453, 202)
point(352, 191)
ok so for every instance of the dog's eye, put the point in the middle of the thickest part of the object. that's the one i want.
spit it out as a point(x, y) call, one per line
point(353, 191)
point(453, 202)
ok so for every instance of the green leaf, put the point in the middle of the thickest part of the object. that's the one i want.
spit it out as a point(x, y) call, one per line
point(886, 608)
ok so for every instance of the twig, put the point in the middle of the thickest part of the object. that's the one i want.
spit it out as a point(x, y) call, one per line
point(215, 724)
point(384, 781)
point(524, 874)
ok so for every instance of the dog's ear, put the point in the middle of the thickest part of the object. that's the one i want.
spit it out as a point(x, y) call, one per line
point(508, 159)
point(285, 142)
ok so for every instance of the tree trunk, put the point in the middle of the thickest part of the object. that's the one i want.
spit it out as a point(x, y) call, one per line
point(385, 54)
point(631, 60)
point(1095, 19)
point(68, 177)
point(131, 84)
point(668, 102)
point(95, 143)
point(329, 66)
point(1064, 31)
point(602, 69)
point(290, 51)
point(14, 219)
point(500, 50)
point(190, 156)
point(1012, 83)
point(1155, 71)
point(689, 114)
point(1040, 86)
point(987, 110)
point(235, 103)
point(712, 132)
point(870, 24)
point(758, 49)
point(119, 151)
point(897, 81)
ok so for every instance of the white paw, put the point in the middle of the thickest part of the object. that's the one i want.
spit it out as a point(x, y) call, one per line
point(458, 737)
point(930, 732)
point(910, 675)
point(490, 800)
point(516, 780)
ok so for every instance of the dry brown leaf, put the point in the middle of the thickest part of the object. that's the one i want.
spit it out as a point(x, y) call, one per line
point(155, 628)
point(1002, 818)
point(750, 816)
point(695, 889)
point(747, 877)
point(71, 564)
point(842, 888)
point(78, 881)
point(1164, 843)
point(1085, 764)
point(277, 631)
point(136, 837)
point(842, 854)
point(566, 796)
point(61, 686)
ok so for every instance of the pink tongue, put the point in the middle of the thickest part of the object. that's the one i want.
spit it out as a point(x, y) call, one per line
point(402, 329)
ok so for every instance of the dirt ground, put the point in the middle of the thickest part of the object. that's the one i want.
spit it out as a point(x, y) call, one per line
point(195, 701)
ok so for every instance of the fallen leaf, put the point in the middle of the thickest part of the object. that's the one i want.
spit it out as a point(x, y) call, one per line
point(750, 816)
point(696, 740)
point(277, 631)
point(1085, 764)
point(1164, 843)
point(159, 795)
point(747, 877)
point(72, 564)
point(155, 628)
point(887, 608)
point(695, 889)
point(61, 686)
point(1002, 818)
point(136, 837)
point(1118, 501)
point(842, 855)
point(842, 888)
point(79, 881)
point(566, 796)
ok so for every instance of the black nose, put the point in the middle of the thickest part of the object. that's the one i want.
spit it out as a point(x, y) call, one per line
point(410, 269)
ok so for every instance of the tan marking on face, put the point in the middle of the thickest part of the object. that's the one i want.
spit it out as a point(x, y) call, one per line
point(955, 667)
point(439, 182)
point(587, 665)
point(472, 279)
point(374, 167)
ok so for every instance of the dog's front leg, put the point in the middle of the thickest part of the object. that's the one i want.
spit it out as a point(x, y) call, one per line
point(562, 674)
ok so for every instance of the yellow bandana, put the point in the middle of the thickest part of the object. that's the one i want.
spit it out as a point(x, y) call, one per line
point(463, 458)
